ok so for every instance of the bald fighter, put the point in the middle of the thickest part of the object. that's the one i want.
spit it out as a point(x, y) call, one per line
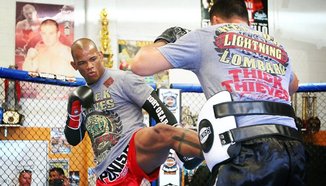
point(109, 109)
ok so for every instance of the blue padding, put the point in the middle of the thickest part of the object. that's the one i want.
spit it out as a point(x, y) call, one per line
point(153, 85)
point(312, 87)
point(187, 87)
point(22, 75)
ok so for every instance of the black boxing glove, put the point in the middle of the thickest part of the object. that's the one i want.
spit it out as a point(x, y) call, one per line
point(170, 35)
point(80, 97)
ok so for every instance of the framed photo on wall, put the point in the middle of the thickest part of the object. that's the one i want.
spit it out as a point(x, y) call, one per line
point(61, 163)
point(74, 178)
point(172, 100)
point(59, 143)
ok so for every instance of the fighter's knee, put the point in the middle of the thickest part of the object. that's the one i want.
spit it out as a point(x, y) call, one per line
point(163, 132)
point(162, 129)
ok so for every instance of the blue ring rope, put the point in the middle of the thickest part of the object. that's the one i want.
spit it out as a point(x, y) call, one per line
point(306, 87)
point(22, 75)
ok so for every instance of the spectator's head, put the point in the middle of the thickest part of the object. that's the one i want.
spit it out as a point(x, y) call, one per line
point(50, 32)
point(56, 173)
point(25, 178)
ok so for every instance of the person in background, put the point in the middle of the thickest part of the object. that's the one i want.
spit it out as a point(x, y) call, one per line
point(109, 109)
point(254, 69)
point(25, 178)
point(56, 176)
point(50, 55)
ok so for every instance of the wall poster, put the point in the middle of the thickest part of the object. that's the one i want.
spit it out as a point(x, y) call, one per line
point(44, 48)
point(258, 14)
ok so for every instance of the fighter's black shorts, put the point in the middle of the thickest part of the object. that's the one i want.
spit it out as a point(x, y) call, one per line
point(265, 162)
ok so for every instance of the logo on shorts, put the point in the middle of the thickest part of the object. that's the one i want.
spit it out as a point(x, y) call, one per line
point(206, 135)
point(117, 169)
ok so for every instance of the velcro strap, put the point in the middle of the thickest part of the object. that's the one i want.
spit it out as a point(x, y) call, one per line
point(252, 108)
point(250, 132)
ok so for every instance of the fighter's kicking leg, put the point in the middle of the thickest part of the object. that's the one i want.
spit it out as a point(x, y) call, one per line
point(154, 143)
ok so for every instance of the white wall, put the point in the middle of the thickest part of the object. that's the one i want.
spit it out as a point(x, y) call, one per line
point(299, 24)
point(144, 20)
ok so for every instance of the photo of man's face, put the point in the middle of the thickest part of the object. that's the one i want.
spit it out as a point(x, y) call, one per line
point(49, 34)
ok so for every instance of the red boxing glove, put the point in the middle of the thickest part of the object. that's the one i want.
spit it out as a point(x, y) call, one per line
point(82, 96)
point(74, 114)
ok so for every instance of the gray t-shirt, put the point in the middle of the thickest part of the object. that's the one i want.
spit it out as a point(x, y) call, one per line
point(116, 114)
point(234, 57)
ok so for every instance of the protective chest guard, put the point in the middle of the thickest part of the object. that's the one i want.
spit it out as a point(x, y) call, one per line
point(218, 130)
point(211, 129)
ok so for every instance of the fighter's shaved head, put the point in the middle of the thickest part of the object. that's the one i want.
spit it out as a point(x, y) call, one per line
point(88, 60)
point(82, 44)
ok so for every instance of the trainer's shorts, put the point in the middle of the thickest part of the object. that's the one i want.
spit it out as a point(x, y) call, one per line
point(265, 161)
point(131, 175)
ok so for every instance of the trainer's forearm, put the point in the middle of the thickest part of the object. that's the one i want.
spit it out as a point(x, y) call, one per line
point(294, 85)
point(188, 144)
point(149, 61)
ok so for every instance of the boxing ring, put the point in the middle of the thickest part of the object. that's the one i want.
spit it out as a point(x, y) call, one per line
point(33, 114)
